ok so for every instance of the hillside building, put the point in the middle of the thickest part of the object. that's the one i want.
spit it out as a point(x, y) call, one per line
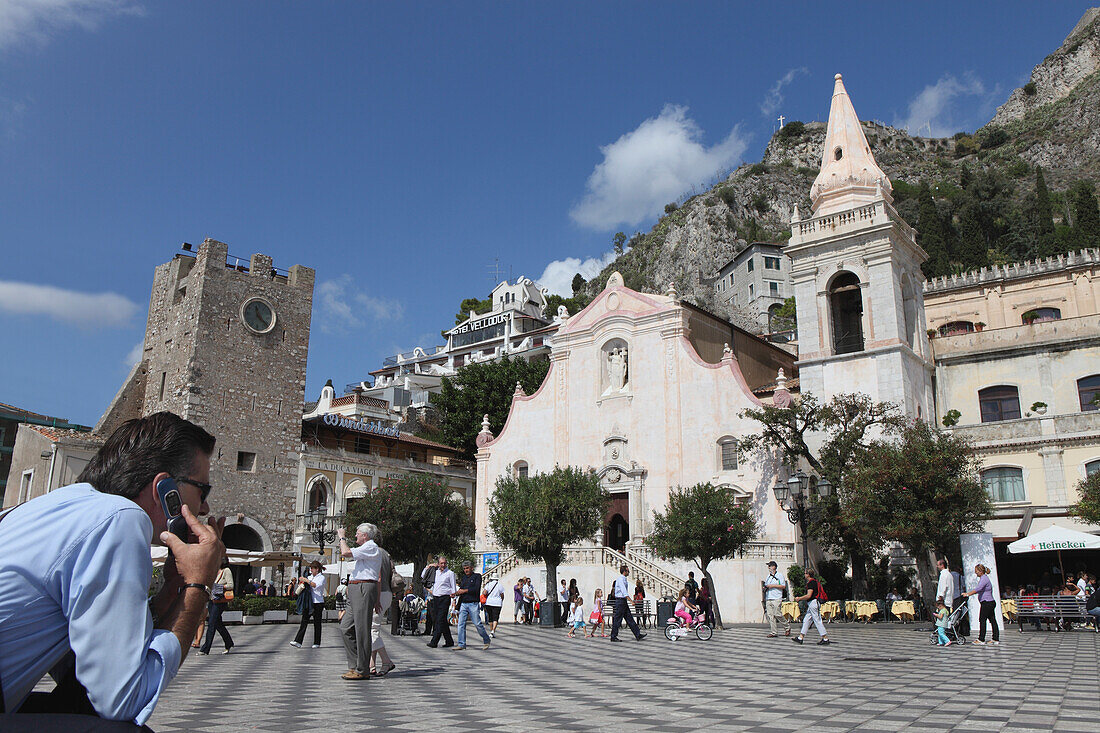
point(756, 282)
point(24, 484)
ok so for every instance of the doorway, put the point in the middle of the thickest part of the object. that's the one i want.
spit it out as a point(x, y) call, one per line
point(616, 531)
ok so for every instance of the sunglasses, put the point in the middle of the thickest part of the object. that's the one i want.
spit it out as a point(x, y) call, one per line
point(204, 489)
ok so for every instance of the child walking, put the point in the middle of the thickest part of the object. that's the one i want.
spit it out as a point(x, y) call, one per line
point(941, 615)
point(576, 617)
point(595, 620)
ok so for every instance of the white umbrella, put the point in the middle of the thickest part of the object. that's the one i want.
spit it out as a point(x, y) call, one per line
point(1055, 538)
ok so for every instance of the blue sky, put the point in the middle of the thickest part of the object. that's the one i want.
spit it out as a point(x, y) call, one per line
point(402, 148)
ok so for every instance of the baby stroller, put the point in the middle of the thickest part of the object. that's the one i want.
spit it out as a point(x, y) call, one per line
point(410, 607)
point(954, 619)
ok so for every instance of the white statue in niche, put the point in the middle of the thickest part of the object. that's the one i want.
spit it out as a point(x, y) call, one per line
point(617, 367)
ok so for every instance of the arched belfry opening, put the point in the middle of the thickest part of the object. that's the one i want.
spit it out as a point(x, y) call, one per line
point(846, 311)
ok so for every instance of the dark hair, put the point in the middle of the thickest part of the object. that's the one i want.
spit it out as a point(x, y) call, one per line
point(317, 564)
point(142, 448)
point(622, 569)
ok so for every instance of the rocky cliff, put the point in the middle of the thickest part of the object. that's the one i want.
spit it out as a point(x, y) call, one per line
point(1056, 127)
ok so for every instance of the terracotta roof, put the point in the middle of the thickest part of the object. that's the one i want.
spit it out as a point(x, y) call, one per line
point(410, 438)
point(59, 434)
point(28, 413)
point(767, 389)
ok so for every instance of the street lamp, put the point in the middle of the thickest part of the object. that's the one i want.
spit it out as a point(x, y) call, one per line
point(792, 497)
point(321, 526)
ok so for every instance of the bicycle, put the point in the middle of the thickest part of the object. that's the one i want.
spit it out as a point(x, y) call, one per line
point(676, 629)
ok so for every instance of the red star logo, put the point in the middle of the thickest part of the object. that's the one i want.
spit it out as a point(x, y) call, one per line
point(1033, 547)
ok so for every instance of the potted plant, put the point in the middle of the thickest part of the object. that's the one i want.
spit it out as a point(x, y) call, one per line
point(951, 417)
point(931, 333)
point(979, 326)
point(1030, 317)
point(233, 613)
point(1039, 408)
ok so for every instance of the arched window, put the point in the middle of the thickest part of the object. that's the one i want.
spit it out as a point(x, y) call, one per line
point(846, 306)
point(950, 329)
point(1092, 467)
point(519, 469)
point(1004, 484)
point(1088, 391)
point(1041, 314)
point(318, 494)
point(727, 453)
point(999, 403)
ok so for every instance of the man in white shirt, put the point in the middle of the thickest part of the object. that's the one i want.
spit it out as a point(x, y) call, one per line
point(494, 601)
point(945, 587)
point(363, 598)
point(622, 607)
point(529, 599)
point(774, 587)
point(444, 588)
point(1082, 584)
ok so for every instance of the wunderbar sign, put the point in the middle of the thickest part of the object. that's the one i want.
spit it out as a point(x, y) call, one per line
point(374, 428)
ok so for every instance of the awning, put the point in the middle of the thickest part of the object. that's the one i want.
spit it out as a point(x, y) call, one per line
point(269, 559)
point(1055, 538)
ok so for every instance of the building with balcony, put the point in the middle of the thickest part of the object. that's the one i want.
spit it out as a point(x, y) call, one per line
point(516, 326)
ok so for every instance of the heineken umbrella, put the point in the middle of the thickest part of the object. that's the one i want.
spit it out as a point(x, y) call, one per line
point(1055, 539)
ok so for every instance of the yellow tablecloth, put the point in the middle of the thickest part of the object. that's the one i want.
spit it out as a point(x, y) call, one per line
point(1008, 608)
point(790, 610)
point(900, 607)
point(850, 609)
point(866, 609)
point(830, 609)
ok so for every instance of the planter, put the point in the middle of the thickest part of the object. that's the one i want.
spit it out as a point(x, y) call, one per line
point(233, 617)
point(276, 616)
point(332, 615)
point(251, 620)
point(294, 618)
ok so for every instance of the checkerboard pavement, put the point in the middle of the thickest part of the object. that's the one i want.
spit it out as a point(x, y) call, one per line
point(872, 678)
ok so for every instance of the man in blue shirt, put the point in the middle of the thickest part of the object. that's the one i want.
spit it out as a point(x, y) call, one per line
point(75, 567)
point(622, 607)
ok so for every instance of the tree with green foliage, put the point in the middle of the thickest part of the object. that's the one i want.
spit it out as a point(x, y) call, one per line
point(578, 283)
point(574, 305)
point(618, 241)
point(923, 490)
point(972, 251)
point(476, 305)
point(930, 234)
point(1044, 218)
point(538, 515)
point(849, 422)
point(785, 316)
point(416, 516)
point(483, 388)
point(1087, 507)
point(702, 523)
point(1086, 223)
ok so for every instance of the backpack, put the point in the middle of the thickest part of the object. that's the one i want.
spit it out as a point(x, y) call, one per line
point(822, 596)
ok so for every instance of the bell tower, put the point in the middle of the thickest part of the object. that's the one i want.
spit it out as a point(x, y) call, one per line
point(855, 265)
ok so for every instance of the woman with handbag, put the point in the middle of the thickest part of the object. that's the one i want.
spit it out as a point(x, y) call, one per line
point(222, 591)
point(311, 602)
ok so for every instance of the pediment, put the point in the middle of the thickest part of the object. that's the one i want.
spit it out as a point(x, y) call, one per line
point(618, 301)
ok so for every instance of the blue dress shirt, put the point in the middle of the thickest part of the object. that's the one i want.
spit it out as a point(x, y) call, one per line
point(622, 587)
point(75, 570)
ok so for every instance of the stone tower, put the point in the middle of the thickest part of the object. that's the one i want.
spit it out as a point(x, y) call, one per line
point(225, 347)
point(855, 265)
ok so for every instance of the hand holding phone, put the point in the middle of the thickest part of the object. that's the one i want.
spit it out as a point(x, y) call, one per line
point(171, 503)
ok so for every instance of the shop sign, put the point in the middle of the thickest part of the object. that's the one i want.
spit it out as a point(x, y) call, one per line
point(361, 426)
point(473, 325)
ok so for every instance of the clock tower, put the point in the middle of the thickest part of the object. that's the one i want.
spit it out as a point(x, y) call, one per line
point(225, 347)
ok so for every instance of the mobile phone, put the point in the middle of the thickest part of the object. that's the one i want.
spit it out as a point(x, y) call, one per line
point(172, 505)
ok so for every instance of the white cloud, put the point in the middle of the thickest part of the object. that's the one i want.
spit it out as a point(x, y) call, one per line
point(935, 113)
point(774, 97)
point(558, 275)
point(649, 167)
point(343, 309)
point(38, 20)
point(83, 309)
point(135, 354)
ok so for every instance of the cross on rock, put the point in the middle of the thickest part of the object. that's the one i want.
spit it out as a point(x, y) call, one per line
point(781, 118)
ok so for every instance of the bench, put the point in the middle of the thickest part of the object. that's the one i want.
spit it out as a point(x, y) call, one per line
point(642, 618)
point(1051, 608)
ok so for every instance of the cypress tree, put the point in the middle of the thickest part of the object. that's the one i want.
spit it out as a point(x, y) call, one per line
point(930, 234)
point(1044, 220)
point(972, 251)
point(1087, 226)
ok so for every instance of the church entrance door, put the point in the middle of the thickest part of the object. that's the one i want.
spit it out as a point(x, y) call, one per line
point(616, 529)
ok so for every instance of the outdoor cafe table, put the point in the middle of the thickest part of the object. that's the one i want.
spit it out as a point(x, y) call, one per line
point(860, 609)
point(1008, 608)
point(899, 608)
point(830, 609)
point(790, 610)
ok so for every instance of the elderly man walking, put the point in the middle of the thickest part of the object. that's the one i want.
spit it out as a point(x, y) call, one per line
point(774, 587)
point(443, 590)
point(363, 598)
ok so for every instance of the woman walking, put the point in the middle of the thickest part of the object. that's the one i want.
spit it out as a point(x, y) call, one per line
point(988, 612)
point(223, 585)
point(705, 604)
point(311, 602)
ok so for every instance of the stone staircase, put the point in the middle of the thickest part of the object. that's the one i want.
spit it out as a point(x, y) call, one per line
point(656, 580)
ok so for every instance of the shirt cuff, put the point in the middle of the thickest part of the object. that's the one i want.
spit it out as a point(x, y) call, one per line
point(166, 646)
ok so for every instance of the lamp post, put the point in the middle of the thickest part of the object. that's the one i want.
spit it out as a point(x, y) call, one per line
point(320, 526)
point(793, 497)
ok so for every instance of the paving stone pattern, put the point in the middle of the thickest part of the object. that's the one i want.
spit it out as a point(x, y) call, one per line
point(537, 679)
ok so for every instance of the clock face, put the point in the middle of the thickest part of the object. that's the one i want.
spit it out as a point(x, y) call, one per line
point(258, 316)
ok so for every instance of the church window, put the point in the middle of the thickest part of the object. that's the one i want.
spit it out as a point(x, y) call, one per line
point(1092, 467)
point(520, 469)
point(838, 153)
point(1088, 392)
point(999, 403)
point(846, 307)
point(956, 327)
point(1004, 484)
point(727, 453)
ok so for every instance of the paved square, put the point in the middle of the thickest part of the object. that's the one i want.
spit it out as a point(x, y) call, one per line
point(877, 678)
